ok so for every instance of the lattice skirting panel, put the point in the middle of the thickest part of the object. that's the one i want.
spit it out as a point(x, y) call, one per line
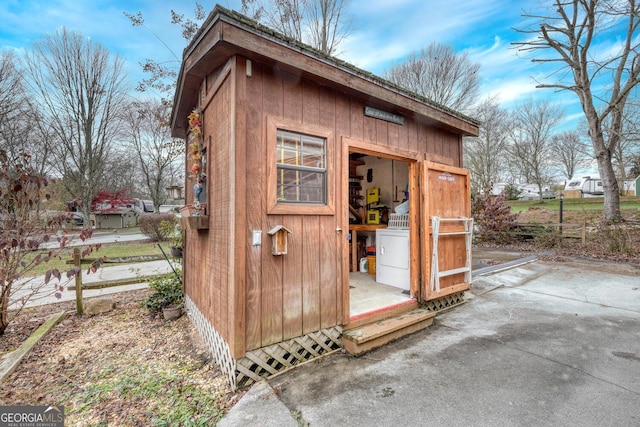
point(270, 360)
point(445, 302)
point(219, 348)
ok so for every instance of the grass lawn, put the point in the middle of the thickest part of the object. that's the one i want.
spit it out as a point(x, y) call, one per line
point(108, 250)
point(584, 204)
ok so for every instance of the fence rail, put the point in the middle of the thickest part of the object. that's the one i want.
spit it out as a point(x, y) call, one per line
point(564, 230)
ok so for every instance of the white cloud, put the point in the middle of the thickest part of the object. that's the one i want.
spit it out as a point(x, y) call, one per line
point(388, 31)
point(510, 91)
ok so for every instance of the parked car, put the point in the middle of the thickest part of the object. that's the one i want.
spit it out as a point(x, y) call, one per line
point(76, 219)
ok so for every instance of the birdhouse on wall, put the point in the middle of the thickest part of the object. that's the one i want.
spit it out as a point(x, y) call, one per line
point(279, 236)
point(175, 192)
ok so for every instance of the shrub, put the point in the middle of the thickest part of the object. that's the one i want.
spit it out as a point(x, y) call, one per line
point(492, 217)
point(173, 232)
point(618, 238)
point(548, 238)
point(151, 226)
point(168, 291)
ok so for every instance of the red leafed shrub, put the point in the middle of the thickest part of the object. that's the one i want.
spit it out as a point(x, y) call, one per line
point(492, 217)
point(26, 227)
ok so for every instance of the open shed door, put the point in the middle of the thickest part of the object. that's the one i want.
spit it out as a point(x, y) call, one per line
point(447, 226)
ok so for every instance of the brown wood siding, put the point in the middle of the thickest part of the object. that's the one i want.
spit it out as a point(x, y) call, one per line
point(237, 291)
point(296, 293)
point(209, 275)
point(254, 135)
point(270, 321)
point(322, 112)
point(218, 245)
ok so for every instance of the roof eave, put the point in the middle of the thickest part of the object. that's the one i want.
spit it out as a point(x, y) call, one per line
point(211, 40)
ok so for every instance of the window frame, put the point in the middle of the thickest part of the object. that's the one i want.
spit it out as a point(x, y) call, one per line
point(274, 207)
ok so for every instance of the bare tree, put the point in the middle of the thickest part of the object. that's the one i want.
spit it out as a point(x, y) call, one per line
point(12, 99)
point(569, 35)
point(284, 16)
point(441, 75)
point(124, 170)
point(630, 140)
point(530, 148)
point(20, 126)
point(161, 79)
point(329, 24)
point(485, 155)
point(634, 171)
point(80, 89)
point(157, 153)
point(162, 75)
point(569, 152)
point(322, 24)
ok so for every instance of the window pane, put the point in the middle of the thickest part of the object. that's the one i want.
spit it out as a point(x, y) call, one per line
point(313, 149)
point(298, 186)
point(301, 168)
point(289, 148)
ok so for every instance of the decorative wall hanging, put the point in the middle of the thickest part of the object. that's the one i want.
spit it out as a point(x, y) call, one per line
point(196, 172)
point(195, 143)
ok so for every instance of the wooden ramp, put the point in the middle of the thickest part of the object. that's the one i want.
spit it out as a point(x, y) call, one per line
point(367, 337)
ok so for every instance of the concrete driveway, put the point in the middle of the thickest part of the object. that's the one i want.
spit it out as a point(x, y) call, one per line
point(541, 344)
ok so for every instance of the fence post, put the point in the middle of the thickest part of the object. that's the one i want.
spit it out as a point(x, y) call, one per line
point(584, 233)
point(76, 262)
point(560, 235)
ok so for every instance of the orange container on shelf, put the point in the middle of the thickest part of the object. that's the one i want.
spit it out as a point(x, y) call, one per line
point(372, 264)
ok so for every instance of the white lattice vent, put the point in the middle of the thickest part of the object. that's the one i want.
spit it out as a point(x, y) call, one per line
point(445, 302)
point(219, 348)
point(267, 361)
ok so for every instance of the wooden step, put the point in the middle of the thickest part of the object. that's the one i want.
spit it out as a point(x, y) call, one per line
point(381, 314)
point(373, 335)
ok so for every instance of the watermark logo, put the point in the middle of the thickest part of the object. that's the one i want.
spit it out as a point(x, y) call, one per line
point(31, 416)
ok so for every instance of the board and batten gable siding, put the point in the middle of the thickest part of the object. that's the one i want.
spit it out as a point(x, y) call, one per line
point(209, 276)
point(301, 292)
point(291, 295)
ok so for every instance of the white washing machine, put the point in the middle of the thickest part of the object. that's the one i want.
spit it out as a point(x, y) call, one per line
point(392, 257)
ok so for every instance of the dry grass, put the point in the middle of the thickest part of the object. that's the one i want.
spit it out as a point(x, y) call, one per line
point(124, 367)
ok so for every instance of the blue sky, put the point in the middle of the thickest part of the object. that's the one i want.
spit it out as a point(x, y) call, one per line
point(384, 33)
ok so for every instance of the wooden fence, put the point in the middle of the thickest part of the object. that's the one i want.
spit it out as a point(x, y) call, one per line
point(564, 230)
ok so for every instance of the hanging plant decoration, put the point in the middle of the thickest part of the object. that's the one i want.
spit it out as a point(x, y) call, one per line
point(196, 171)
point(195, 145)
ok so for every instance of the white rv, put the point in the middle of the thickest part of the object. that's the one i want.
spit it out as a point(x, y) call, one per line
point(588, 187)
point(527, 191)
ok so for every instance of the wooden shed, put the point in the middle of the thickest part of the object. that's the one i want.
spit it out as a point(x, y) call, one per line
point(286, 143)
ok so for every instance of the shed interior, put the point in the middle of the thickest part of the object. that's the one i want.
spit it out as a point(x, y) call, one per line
point(378, 186)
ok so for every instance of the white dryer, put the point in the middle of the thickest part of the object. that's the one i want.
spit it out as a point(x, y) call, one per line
point(393, 258)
